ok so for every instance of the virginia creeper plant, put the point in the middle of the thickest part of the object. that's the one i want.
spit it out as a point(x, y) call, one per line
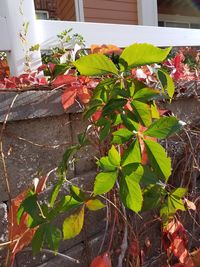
point(123, 112)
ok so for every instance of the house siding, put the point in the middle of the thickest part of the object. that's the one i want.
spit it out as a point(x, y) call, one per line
point(111, 11)
point(66, 10)
point(47, 5)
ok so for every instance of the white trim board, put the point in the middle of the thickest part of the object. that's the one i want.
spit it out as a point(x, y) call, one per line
point(120, 35)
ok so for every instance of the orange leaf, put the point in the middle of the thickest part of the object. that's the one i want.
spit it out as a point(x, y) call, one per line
point(105, 49)
point(102, 261)
point(68, 97)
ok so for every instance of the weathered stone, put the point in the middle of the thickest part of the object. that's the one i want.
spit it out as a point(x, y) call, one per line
point(32, 147)
point(33, 104)
point(3, 231)
point(85, 158)
point(84, 252)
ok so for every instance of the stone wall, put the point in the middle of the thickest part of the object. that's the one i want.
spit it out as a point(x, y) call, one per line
point(36, 134)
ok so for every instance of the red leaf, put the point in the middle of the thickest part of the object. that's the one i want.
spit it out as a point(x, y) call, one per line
point(68, 97)
point(134, 249)
point(83, 94)
point(102, 261)
point(175, 241)
point(64, 80)
point(96, 115)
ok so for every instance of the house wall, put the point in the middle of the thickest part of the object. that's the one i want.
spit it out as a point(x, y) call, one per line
point(105, 11)
point(111, 11)
point(66, 10)
point(47, 5)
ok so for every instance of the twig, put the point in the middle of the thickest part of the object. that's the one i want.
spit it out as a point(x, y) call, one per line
point(106, 230)
point(124, 244)
point(57, 254)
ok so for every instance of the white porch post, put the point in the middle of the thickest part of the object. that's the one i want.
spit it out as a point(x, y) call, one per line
point(147, 12)
point(15, 20)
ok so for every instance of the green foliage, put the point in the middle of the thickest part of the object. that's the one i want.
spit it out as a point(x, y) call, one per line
point(163, 127)
point(143, 54)
point(158, 159)
point(73, 224)
point(104, 182)
point(95, 65)
point(132, 163)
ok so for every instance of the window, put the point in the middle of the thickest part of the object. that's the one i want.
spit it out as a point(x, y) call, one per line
point(42, 14)
point(178, 21)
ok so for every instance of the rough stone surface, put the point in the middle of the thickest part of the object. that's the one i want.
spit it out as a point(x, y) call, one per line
point(28, 150)
point(33, 104)
point(86, 156)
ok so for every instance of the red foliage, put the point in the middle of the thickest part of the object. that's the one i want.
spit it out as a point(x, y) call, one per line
point(175, 242)
point(24, 80)
point(102, 261)
point(76, 87)
point(20, 234)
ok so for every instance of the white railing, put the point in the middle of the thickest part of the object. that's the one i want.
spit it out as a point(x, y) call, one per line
point(45, 32)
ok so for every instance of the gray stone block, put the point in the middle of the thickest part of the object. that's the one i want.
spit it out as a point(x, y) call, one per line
point(32, 147)
point(85, 158)
point(33, 104)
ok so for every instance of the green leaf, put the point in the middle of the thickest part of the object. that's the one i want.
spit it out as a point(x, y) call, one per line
point(121, 136)
point(30, 206)
point(114, 156)
point(104, 182)
point(38, 239)
point(82, 139)
point(146, 94)
point(129, 123)
point(176, 203)
point(179, 192)
point(166, 82)
point(62, 168)
point(60, 69)
point(67, 203)
point(35, 47)
point(105, 164)
point(55, 192)
point(95, 64)
point(94, 204)
point(163, 127)
point(152, 197)
point(158, 159)
point(132, 154)
point(113, 105)
point(73, 224)
point(53, 236)
point(148, 177)
point(143, 54)
point(131, 194)
point(154, 111)
point(90, 111)
point(143, 112)
point(104, 132)
point(77, 193)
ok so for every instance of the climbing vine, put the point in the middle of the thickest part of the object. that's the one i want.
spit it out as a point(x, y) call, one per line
point(133, 168)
